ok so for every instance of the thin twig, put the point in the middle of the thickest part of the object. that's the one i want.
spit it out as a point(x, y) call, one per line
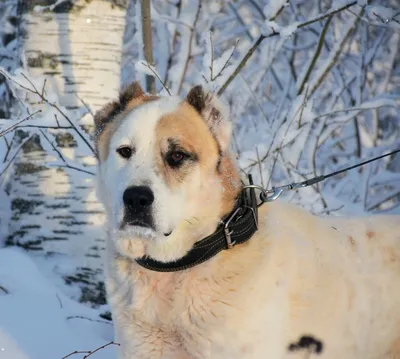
point(15, 155)
point(9, 146)
point(44, 99)
point(260, 39)
point(90, 352)
point(316, 55)
point(259, 167)
point(86, 318)
point(85, 104)
point(188, 55)
point(59, 300)
point(13, 127)
point(170, 20)
point(334, 58)
point(146, 64)
point(360, 109)
point(226, 62)
point(67, 165)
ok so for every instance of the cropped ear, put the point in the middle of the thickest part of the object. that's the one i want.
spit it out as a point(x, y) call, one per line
point(130, 92)
point(110, 110)
point(214, 114)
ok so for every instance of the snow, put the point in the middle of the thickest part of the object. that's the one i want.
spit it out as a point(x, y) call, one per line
point(216, 69)
point(270, 27)
point(381, 13)
point(279, 135)
point(289, 30)
point(38, 321)
point(272, 8)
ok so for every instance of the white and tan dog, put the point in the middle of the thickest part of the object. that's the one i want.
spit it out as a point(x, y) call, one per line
point(166, 180)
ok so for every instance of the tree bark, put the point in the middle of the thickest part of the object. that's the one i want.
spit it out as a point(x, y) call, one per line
point(78, 48)
point(148, 44)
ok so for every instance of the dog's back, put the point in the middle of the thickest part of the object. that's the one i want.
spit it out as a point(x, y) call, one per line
point(342, 278)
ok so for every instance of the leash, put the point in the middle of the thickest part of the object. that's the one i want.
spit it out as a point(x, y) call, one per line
point(239, 225)
point(269, 195)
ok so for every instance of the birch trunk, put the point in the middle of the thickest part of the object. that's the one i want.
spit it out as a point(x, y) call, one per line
point(77, 47)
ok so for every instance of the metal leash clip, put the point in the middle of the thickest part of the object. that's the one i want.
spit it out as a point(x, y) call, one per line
point(266, 195)
point(269, 195)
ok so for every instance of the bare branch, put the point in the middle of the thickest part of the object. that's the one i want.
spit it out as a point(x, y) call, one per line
point(188, 53)
point(146, 64)
point(333, 58)
point(261, 38)
point(11, 160)
point(35, 91)
point(316, 55)
point(90, 319)
point(84, 104)
point(148, 43)
point(16, 125)
point(67, 165)
point(90, 352)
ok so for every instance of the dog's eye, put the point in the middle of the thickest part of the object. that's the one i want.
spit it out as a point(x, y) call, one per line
point(176, 158)
point(125, 152)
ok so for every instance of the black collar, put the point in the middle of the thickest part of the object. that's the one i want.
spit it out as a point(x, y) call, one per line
point(236, 228)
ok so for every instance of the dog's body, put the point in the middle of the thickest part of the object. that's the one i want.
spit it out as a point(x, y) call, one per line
point(337, 280)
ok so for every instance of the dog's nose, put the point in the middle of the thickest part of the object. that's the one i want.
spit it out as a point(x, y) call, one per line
point(138, 198)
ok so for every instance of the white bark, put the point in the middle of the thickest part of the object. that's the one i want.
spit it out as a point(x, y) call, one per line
point(55, 211)
point(79, 51)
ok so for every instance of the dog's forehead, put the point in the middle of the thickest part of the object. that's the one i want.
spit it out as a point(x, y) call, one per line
point(140, 123)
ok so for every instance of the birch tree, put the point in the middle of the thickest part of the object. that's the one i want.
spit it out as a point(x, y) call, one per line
point(71, 52)
point(312, 87)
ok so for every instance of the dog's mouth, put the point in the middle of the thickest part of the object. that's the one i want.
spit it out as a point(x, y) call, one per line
point(138, 223)
point(141, 228)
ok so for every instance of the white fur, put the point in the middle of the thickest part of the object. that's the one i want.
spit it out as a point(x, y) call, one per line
point(335, 279)
point(171, 208)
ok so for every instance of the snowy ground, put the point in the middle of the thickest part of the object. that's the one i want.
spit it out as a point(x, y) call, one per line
point(51, 278)
point(38, 321)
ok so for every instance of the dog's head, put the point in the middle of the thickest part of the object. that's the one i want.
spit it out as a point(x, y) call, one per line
point(165, 174)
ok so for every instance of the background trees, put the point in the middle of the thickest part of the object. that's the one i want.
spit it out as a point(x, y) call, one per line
point(312, 86)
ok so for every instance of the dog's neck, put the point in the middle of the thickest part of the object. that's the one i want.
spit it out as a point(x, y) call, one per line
point(231, 184)
point(180, 242)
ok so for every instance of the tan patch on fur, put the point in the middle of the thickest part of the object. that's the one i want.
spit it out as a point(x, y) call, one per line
point(230, 178)
point(394, 352)
point(186, 127)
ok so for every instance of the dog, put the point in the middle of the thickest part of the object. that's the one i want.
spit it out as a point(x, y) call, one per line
point(290, 282)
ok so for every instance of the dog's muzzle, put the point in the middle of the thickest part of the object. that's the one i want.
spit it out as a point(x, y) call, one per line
point(138, 202)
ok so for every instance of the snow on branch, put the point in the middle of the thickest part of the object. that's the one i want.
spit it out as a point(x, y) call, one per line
point(217, 69)
point(274, 30)
point(16, 125)
point(30, 87)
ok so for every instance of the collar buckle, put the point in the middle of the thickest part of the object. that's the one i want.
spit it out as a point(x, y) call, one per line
point(228, 232)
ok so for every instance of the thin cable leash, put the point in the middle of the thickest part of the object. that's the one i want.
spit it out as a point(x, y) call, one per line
point(269, 195)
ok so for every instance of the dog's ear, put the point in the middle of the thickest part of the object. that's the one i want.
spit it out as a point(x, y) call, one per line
point(213, 112)
point(109, 111)
point(132, 91)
